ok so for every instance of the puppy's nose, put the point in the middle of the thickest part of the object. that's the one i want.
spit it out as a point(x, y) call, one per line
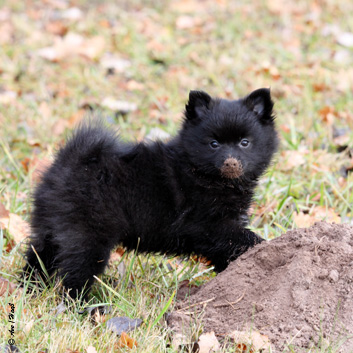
point(231, 168)
point(231, 163)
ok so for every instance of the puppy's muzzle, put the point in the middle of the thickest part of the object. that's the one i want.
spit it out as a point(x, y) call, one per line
point(231, 168)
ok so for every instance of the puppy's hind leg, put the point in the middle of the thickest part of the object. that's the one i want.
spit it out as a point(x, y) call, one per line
point(40, 257)
point(78, 264)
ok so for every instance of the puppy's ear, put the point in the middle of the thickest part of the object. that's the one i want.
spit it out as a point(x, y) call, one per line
point(198, 101)
point(260, 103)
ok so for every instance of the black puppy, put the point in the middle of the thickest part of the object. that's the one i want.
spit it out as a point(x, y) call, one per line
point(188, 196)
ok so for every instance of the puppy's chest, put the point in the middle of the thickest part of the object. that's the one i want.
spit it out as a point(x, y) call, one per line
point(222, 203)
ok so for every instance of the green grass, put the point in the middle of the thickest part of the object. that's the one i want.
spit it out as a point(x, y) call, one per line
point(232, 48)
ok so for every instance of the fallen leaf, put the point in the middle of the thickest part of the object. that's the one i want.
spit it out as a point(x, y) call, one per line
point(10, 244)
point(28, 326)
point(59, 127)
point(60, 308)
point(14, 224)
point(118, 106)
point(73, 14)
point(91, 349)
point(179, 339)
point(292, 159)
point(6, 286)
point(342, 140)
point(345, 39)
point(126, 341)
point(319, 213)
point(7, 97)
point(37, 167)
point(92, 48)
point(267, 67)
point(328, 114)
point(57, 28)
point(45, 110)
point(109, 61)
point(76, 117)
point(326, 214)
point(71, 45)
point(186, 6)
point(123, 324)
point(7, 29)
point(303, 220)
point(4, 213)
point(250, 342)
point(320, 87)
point(208, 343)
point(185, 22)
point(98, 314)
point(133, 85)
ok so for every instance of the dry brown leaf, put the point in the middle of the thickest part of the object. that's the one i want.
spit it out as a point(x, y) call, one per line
point(56, 27)
point(59, 127)
point(250, 342)
point(185, 6)
point(326, 214)
point(208, 343)
point(14, 224)
point(92, 48)
point(17, 227)
point(345, 39)
point(342, 140)
point(28, 327)
point(303, 220)
point(117, 105)
point(7, 30)
point(91, 349)
point(179, 339)
point(116, 255)
point(270, 69)
point(37, 167)
point(109, 61)
point(328, 114)
point(6, 285)
point(76, 117)
point(72, 45)
point(185, 22)
point(7, 97)
point(72, 13)
point(133, 85)
point(45, 110)
point(126, 341)
point(4, 213)
point(97, 317)
point(320, 87)
point(319, 213)
point(292, 159)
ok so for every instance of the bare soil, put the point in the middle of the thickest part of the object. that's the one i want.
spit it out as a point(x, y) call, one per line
point(296, 289)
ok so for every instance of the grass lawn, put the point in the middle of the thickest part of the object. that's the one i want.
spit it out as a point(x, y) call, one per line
point(134, 62)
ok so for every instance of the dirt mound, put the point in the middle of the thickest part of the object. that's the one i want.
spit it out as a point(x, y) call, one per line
point(296, 289)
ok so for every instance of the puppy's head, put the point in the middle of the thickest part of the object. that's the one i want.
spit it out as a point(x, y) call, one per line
point(230, 138)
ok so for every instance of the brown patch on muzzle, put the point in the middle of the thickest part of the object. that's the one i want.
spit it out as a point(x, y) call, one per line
point(231, 168)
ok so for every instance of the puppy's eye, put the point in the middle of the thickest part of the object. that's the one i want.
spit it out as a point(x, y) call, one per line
point(215, 144)
point(244, 143)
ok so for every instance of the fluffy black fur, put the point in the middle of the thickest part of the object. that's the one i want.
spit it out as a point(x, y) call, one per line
point(188, 196)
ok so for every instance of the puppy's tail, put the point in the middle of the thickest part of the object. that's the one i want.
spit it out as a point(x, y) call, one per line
point(88, 143)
